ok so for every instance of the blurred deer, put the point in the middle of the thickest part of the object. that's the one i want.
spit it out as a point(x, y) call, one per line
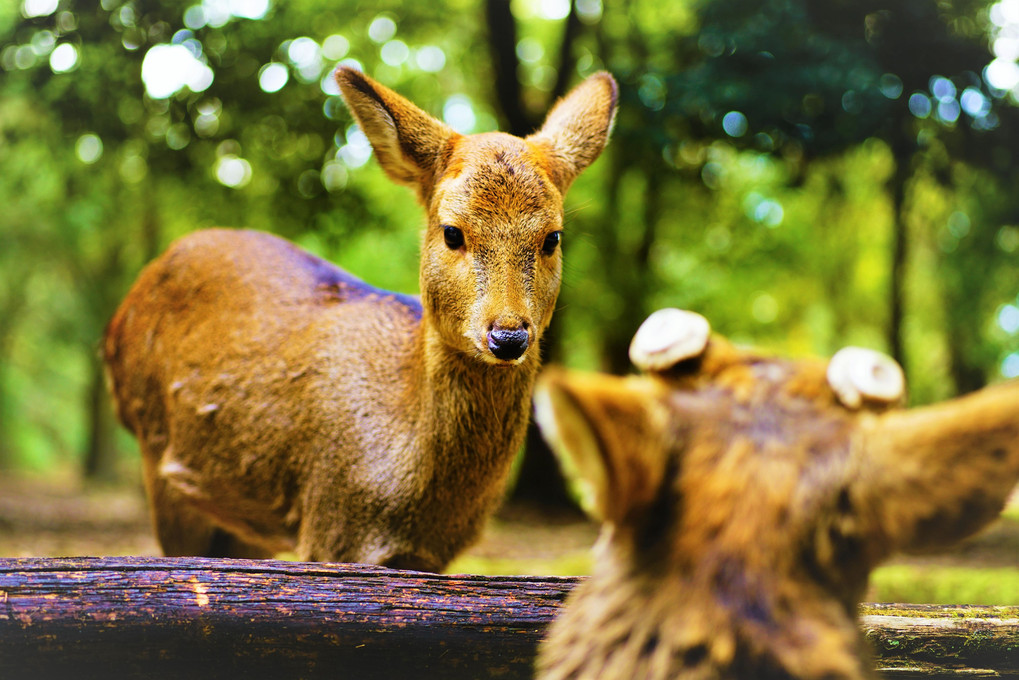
point(745, 499)
point(283, 405)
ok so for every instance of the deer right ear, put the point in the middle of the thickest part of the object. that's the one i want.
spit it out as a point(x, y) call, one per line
point(577, 128)
point(608, 434)
point(935, 474)
point(407, 141)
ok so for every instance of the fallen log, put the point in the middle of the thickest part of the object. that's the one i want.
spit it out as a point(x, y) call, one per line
point(199, 618)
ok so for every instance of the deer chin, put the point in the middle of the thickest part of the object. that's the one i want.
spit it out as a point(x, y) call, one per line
point(485, 354)
point(504, 363)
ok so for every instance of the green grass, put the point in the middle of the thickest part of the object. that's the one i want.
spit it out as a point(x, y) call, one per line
point(910, 584)
point(572, 564)
point(945, 585)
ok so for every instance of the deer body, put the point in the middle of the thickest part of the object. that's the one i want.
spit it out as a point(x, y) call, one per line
point(744, 506)
point(282, 404)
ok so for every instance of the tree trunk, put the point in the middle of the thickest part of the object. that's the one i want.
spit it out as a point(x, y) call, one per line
point(100, 454)
point(628, 267)
point(168, 618)
point(571, 29)
point(502, 42)
point(900, 252)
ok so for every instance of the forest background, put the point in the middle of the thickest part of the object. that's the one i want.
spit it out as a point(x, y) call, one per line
point(808, 174)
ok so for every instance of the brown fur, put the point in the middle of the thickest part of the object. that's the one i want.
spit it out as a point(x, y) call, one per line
point(744, 508)
point(282, 404)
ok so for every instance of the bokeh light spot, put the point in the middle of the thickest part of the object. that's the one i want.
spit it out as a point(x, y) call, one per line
point(1010, 366)
point(394, 52)
point(430, 58)
point(38, 8)
point(1008, 319)
point(919, 105)
point(335, 47)
point(890, 86)
point(735, 124)
point(272, 77)
point(64, 58)
point(167, 69)
point(974, 102)
point(381, 29)
point(458, 113)
point(233, 171)
point(89, 148)
point(554, 10)
point(764, 308)
point(1002, 74)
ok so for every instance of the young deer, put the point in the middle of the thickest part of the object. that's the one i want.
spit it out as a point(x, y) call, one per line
point(282, 404)
point(746, 498)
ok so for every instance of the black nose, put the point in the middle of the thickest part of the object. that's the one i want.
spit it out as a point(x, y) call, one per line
point(507, 345)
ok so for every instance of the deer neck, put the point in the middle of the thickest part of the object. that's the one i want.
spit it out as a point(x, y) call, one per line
point(472, 408)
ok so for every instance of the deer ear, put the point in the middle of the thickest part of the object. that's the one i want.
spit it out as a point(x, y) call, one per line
point(936, 474)
point(408, 142)
point(577, 128)
point(608, 434)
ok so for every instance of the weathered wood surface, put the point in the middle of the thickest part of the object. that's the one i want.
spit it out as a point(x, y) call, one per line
point(943, 641)
point(188, 618)
point(196, 618)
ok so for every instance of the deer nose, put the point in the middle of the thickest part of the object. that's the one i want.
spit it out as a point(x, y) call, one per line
point(508, 343)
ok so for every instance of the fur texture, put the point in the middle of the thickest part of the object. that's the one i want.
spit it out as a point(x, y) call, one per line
point(744, 508)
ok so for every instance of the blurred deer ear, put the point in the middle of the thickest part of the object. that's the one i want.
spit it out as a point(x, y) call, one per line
point(934, 475)
point(407, 141)
point(609, 436)
point(577, 128)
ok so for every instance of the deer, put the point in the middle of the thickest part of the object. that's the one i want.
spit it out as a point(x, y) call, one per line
point(744, 499)
point(283, 405)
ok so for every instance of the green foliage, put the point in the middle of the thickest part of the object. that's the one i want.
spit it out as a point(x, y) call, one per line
point(778, 223)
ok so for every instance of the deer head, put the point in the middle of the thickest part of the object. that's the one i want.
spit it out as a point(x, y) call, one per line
point(490, 263)
point(745, 498)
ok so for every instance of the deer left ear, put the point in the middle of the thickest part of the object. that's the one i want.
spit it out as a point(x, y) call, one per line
point(608, 434)
point(577, 128)
point(407, 141)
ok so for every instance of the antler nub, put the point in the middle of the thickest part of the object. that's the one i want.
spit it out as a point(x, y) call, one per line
point(855, 374)
point(667, 337)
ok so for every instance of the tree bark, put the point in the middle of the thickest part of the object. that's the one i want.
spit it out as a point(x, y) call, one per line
point(104, 281)
point(502, 41)
point(100, 454)
point(900, 252)
point(200, 618)
point(571, 29)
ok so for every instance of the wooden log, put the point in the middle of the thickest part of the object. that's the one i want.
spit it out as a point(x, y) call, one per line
point(198, 618)
point(187, 618)
point(943, 641)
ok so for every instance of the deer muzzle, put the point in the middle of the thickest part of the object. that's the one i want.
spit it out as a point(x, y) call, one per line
point(508, 344)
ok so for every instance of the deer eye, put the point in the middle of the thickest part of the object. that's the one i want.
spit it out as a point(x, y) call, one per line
point(551, 242)
point(454, 237)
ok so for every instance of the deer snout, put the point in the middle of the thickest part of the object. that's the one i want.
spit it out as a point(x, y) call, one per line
point(508, 342)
